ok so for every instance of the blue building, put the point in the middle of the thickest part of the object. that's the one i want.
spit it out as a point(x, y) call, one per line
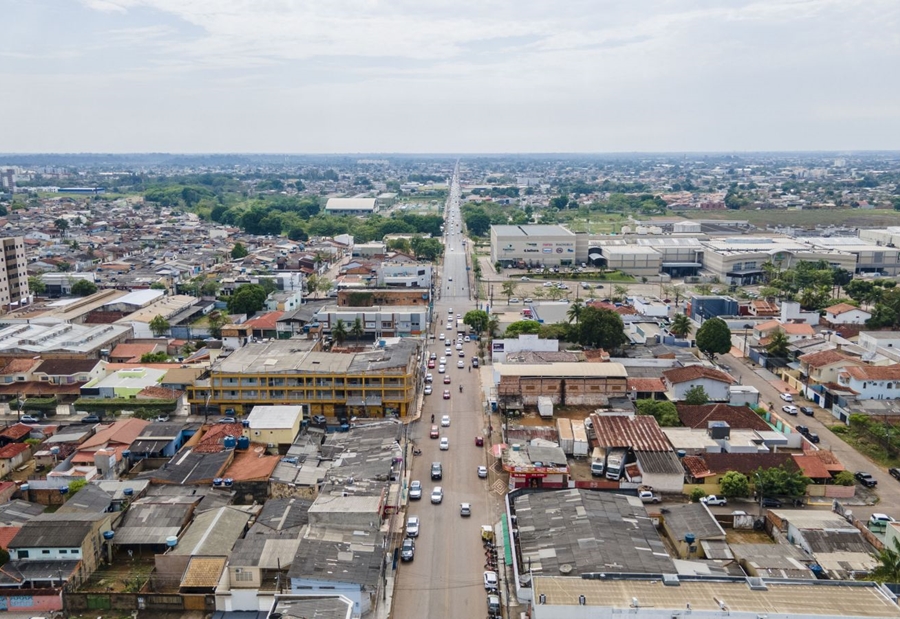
point(704, 308)
point(160, 440)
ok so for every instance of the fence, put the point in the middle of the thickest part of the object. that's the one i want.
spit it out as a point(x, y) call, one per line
point(80, 602)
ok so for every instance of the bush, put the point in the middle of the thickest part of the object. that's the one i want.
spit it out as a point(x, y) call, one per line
point(844, 478)
point(696, 494)
point(735, 484)
point(838, 429)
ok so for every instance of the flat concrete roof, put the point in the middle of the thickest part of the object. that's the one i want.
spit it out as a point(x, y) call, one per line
point(274, 417)
point(537, 230)
point(561, 370)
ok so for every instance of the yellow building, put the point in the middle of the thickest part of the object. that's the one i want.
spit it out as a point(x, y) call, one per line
point(274, 425)
point(377, 383)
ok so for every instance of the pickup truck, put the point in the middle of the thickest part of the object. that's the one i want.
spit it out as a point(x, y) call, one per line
point(648, 496)
point(714, 500)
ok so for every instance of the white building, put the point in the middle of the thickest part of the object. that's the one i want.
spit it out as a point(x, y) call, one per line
point(377, 321)
point(501, 349)
point(871, 382)
point(715, 383)
point(650, 307)
point(351, 206)
point(872, 340)
point(405, 275)
point(846, 314)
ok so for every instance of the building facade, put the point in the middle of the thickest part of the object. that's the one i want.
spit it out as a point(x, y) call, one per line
point(13, 273)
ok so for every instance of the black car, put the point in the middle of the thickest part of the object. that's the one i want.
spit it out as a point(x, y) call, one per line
point(408, 550)
point(807, 411)
point(812, 437)
point(437, 471)
point(865, 479)
point(895, 473)
point(802, 430)
point(770, 502)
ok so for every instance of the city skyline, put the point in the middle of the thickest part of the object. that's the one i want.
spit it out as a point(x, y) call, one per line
point(201, 77)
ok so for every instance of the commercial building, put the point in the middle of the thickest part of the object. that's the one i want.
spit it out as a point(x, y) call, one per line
point(870, 256)
point(376, 383)
point(533, 245)
point(520, 385)
point(377, 322)
point(61, 340)
point(13, 274)
point(351, 206)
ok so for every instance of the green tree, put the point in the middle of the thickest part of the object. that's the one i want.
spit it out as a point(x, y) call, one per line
point(76, 485)
point(215, 321)
point(492, 326)
point(619, 293)
point(158, 286)
point(210, 288)
point(427, 249)
point(63, 267)
point(247, 299)
point(477, 320)
point(734, 484)
point(154, 357)
point(159, 326)
point(888, 569)
point(522, 326)
point(696, 495)
point(714, 338)
point(339, 332)
point(83, 288)
point(703, 289)
point(574, 311)
point(681, 326)
point(844, 478)
point(696, 396)
point(778, 345)
point(664, 411)
point(62, 225)
point(239, 251)
point(478, 223)
point(36, 284)
point(356, 330)
point(601, 328)
point(400, 244)
point(777, 481)
point(509, 289)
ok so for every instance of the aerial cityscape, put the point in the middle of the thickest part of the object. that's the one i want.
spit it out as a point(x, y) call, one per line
point(386, 311)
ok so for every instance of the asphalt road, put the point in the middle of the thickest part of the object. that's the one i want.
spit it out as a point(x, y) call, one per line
point(887, 490)
point(445, 578)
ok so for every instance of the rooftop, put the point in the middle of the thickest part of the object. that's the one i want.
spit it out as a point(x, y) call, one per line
point(587, 370)
point(696, 372)
point(641, 432)
point(213, 533)
point(274, 417)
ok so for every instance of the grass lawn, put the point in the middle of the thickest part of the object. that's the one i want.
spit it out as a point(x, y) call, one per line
point(809, 217)
point(865, 445)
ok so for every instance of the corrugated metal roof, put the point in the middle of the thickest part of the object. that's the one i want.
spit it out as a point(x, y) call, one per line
point(640, 432)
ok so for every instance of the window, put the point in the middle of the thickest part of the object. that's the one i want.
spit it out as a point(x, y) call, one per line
point(63, 551)
point(23, 554)
point(45, 552)
point(243, 576)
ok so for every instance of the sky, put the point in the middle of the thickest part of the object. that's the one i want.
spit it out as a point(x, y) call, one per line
point(435, 76)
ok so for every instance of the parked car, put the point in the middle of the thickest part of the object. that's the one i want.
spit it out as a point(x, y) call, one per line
point(319, 420)
point(482, 472)
point(415, 490)
point(162, 418)
point(407, 550)
point(812, 437)
point(428, 390)
point(412, 526)
point(437, 495)
point(479, 442)
point(895, 473)
point(806, 410)
point(491, 581)
point(714, 499)
point(229, 420)
point(866, 479)
point(465, 510)
point(29, 419)
point(787, 397)
point(89, 419)
point(437, 471)
point(770, 502)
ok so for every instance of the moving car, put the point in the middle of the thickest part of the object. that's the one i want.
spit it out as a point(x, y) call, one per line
point(431, 364)
point(474, 362)
point(428, 390)
point(429, 377)
point(866, 479)
point(407, 550)
point(770, 502)
point(442, 369)
point(441, 337)
point(442, 361)
point(482, 472)
point(514, 300)
point(445, 444)
point(462, 354)
point(88, 419)
point(435, 433)
point(445, 421)
point(713, 499)
point(446, 394)
point(29, 419)
point(446, 379)
point(806, 410)
point(895, 473)
point(461, 364)
point(465, 510)
point(437, 495)
point(415, 490)
point(437, 471)
point(790, 410)
point(412, 526)
point(787, 397)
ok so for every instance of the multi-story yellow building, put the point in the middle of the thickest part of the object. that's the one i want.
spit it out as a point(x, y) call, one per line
point(379, 382)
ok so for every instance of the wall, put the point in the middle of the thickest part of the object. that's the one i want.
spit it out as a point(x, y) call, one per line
point(30, 600)
point(90, 603)
point(715, 390)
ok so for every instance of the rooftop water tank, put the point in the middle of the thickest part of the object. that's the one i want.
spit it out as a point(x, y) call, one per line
point(64, 490)
point(126, 454)
point(108, 535)
point(128, 491)
point(172, 541)
point(24, 487)
point(243, 443)
point(228, 482)
point(230, 442)
point(54, 450)
point(217, 482)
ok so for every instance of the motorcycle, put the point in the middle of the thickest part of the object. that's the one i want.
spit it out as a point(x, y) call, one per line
point(417, 452)
point(460, 388)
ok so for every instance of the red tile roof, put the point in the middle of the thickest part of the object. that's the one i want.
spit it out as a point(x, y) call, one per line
point(842, 308)
point(646, 385)
point(131, 351)
point(6, 535)
point(824, 357)
point(12, 450)
point(252, 465)
point(737, 417)
point(160, 393)
point(264, 321)
point(696, 467)
point(873, 372)
point(16, 432)
point(122, 432)
point(696, 372)
point(802, 328)
point(18, 366)
point(213, 440)
point(812, 466)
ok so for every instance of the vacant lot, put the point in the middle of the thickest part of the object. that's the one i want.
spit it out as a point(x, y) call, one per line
point(811, 217)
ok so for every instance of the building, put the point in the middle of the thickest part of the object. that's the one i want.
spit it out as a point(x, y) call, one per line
point(501, 349)
point(405, 275)
point(572, 383)
point(376, 383)
point(13, 274)
point(377, 322)
point(274, 425)
point(533, 245)
point(636, 260)
point(870, 382)
point(351, 206)
point(702, 308)
point(715, 383)
point(873, 340)
point(846, 314)
point(870, 257)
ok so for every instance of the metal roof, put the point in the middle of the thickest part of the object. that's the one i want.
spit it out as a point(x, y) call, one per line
point(640, 432)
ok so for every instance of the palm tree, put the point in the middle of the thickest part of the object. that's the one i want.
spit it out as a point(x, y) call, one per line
point(888, 569)
point(339, 333)
point(574, 311)
point(509, 289)
point(357, 330)
point(681, 326)
point(778, 345)
point(492, 326)
point(620, 292)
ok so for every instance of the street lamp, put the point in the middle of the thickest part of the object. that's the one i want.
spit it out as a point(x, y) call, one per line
point(206, 406)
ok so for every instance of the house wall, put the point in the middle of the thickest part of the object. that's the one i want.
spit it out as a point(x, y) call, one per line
point(717, 391)
point(873, 389)
point(30, 600)
point(362, 602)
point(854, 317)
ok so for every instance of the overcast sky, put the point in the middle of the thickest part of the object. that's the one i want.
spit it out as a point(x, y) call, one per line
point(325, 76)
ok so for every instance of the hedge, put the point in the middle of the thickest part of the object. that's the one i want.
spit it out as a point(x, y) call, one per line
point(107, 404)
point(39, 404)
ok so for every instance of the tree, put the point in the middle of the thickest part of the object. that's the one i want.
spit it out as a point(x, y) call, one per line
point(64, 267)
point(216, 320)
point(703, 289)
point(714, 338)
point(681, 326)
point(427, 249)
point(522, 326)
point(356, 330)
point(844, 478)
point(696, 396)
point(210, 288)
point(83, 288)
point(478, 223)
point(574, 311)
point(238, 251)
point(401, 244)
point(339, 332)
point(734, 484)
point(62, 225)
point(492, 326)
point(620, 292)
point(247, 299)
point(779, 481)
point(601, 328)
point(509, 289)
point(36, 284)
point(154, 357)
point(778, 345)
point(159, 326)
point(888, 569)
point(477, 319)
point(157, 286)
point(664, 411)
point(697, 494)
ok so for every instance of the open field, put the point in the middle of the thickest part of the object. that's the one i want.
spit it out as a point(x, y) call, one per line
point(810, 217)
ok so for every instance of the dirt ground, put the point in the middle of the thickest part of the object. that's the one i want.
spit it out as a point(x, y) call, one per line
point(743, 536)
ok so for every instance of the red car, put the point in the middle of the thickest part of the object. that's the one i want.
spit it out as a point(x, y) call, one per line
point(431, 364)
point(479, 441)
point(434, 432)
point(446, 379)
point(446, 394)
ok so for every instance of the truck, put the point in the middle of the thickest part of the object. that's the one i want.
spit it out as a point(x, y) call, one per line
point(580, 445)
point(545, 407)
point(598, 462)
point(461, 327)
point(566, 439)
point(647, 495)
point(615, 463)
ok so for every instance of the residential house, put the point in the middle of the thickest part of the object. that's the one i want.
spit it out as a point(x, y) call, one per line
point(274, 425)
point(715, 383)
point(69, 371)
point(159, 440)
point(820, 368)
point(871, 382)
point(132, 352)
point(12, 457)
point(114, 439)
point(16, 433)
point(125, 383)
point(846, 314)
point(286, 301)
point(18, 370)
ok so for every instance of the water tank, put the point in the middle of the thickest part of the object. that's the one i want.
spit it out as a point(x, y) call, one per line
point(54, 450)
point(172, 541)
point(641, 229)
point(217, 481)
point(690, 538)
point(681, 453)
point(108, 535)
point(230, 442)
point(126, 454)
point(245, 423)
point(626, 229)
point(228, 482)
point(24, 487)
point(64, 490)
point(128, 491)
point(655, 230)
point(243, 443)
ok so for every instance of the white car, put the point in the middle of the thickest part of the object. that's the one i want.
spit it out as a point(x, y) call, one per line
point(458, 316)
point(462, 353)
point(482, 472)
point(787, 397)
point(490, 580)
point(412, 526)
point(437, 495)
point(415, 490)
point(459, 346)
point(429, 378)
point(450, 311)
point(467, 339)
point(445, 421)
point(445, 444)
point(790, 410)
point(442, 361)
point(441, 337)
point(442, 368)
point(461, 364)
point(448, 351)
point(428, 390)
